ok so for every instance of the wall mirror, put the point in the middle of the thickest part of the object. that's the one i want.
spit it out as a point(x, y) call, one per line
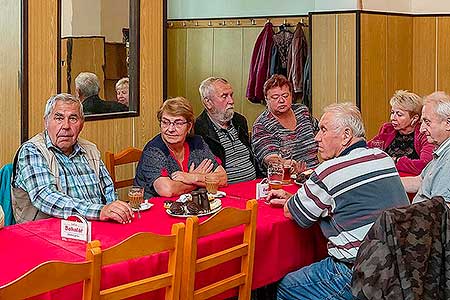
point(101, 37)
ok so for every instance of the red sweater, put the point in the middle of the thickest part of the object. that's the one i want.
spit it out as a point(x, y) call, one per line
point(404, 164)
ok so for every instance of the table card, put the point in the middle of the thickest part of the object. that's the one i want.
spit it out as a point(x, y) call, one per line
point(76, 228)
point(262, 189)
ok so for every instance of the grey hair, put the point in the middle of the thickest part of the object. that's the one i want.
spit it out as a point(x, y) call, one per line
point(347, 115)
point(206, 88)
point(441, 103)
point(63, 97)
point(122, 82)
point(87, 84)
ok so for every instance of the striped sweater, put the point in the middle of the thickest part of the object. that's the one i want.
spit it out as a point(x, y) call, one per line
point(347, 194)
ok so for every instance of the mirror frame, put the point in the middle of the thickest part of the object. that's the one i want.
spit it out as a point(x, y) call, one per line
point(133, 67)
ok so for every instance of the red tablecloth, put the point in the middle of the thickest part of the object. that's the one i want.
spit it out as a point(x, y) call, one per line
point(281, 246)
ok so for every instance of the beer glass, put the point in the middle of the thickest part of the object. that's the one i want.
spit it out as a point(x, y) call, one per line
point(285, 153)
point(275, 175)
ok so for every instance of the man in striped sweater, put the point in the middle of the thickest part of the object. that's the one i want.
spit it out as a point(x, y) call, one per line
point(345, 194)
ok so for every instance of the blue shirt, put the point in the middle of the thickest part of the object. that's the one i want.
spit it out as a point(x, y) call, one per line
point(82, 191)
point(435, 175)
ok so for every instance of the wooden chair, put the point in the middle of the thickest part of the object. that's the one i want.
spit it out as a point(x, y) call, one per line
point(139, 245)
point(126, 156)
point(225, 219)
point(52, 275)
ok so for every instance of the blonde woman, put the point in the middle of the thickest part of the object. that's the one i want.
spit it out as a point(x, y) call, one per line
point(401, 137)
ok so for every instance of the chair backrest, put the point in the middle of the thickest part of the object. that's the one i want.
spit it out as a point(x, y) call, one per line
point(52, 275)
point(225, 219)
point(139, 245)
point(129, 155)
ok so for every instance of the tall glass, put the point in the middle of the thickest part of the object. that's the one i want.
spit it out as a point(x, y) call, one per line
point(136, 196)
point(275, 175)
point(212, 182)
point(285, 153)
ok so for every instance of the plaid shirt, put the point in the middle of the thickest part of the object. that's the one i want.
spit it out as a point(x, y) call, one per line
point(81, 190)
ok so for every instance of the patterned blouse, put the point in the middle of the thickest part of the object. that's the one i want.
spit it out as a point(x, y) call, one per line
point(402, 145)
point(268, 134)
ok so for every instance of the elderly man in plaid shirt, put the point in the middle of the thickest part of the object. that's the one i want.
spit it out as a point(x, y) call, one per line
point(58, 174)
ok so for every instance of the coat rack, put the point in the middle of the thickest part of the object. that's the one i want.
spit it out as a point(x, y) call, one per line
point(238, 22)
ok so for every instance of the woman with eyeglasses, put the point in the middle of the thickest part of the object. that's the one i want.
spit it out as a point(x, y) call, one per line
point(401, 137)
point(175, 162)
point(283, 124)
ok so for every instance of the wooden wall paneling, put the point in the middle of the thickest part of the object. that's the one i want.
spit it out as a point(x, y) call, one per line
point(227, 60)
point(399, 55)
point(151, 70)
point(88, 55)
point(176, 62)
point(346, 58)
point(374, 102)
point(323, 62)
point(199, 63)
point(122, 140)
point(443, 55)
point(115, 67)
point(101, 133)
point(9, 83)
point(42, 57)
point(250, 110)
point(424, 55)
point(64, 65)
point(115, 61)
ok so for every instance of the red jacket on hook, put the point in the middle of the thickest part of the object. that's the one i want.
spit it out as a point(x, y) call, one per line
point(259, 65)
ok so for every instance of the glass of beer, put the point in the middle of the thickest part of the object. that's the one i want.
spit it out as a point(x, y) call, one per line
point(275, 175)
point(285, 154)
point(136, 196)
point(212, 183)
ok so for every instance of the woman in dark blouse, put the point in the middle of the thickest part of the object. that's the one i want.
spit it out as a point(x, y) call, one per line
point(401, 138)
point(175, 162)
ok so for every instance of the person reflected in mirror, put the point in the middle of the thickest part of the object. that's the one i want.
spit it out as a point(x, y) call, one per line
point(58, 174)
point(401, 138)
point(433, 181)
point(175, 161)
point(87, 88)
point(224, 130)
point(283, 123)
point(122, 91)
point(343, 196)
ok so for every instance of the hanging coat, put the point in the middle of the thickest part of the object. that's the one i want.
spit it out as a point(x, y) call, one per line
point(297, 59)
point(259, 65)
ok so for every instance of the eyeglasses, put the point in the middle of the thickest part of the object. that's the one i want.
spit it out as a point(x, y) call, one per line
point(178, 124)
point(277, 97)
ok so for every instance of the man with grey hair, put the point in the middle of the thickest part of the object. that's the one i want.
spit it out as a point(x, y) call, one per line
point(58, 174)
point(87, 88)
point(433, 181)
point(343, 195)
point(224, 130)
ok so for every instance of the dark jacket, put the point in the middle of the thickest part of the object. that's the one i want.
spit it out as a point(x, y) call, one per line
point(95, 105)
point(406, 255)
point(205, 128)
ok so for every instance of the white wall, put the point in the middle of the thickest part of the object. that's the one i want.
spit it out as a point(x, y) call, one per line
point(86, 17)
point(95, 18)
point(191, 9)
point(430, 6)
point(402, 6)
point(115, 16)
point(66, 18)
point(323, 5)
